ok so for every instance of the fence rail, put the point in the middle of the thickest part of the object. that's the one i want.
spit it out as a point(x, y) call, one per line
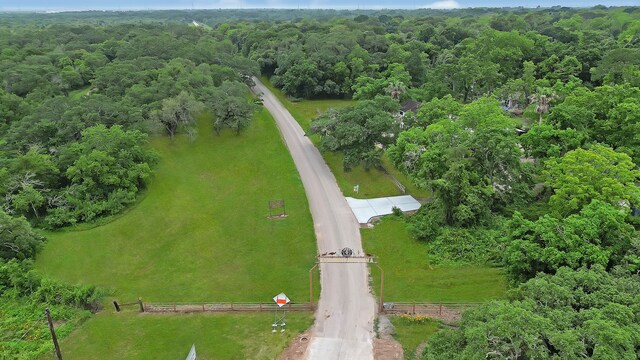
point(395, 181)
point(443, 311)
point(222, 307)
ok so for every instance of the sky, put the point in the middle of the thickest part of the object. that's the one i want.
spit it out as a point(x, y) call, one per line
point(63, 5)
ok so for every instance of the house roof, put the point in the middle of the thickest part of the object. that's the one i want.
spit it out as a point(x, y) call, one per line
point(410, 105)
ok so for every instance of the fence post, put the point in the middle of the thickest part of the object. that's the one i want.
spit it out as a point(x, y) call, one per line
point(202, 307)
point(414, 308)
point(54, 338)
point(440, 312)
point(115, 304)
point(141, 305)
point(174, 308)
point(231, 306)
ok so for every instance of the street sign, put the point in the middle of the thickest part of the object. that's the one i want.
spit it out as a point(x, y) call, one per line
point(281, 300)
point(274, 205)
point(192, 353)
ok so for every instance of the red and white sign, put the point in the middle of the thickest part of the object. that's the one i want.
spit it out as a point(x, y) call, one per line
point(281, 299)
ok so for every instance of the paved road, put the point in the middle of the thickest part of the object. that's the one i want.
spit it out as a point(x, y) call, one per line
point(344, 319)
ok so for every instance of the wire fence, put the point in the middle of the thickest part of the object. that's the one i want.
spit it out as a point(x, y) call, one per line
point(442, 311)
point(222, 307)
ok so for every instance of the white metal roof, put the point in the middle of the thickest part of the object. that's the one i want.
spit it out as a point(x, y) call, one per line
point(365, 209)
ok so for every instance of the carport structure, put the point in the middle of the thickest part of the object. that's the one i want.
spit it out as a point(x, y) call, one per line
point(365, 209)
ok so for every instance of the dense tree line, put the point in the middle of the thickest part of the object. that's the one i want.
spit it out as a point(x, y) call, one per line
point(221, 17)
point(587, 313)
point(466, 54)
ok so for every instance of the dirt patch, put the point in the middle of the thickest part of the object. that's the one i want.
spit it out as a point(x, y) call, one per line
point(385, 347)
point(59, 323)
point(297, 348)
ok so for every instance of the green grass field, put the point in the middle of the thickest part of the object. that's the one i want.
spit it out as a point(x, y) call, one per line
point(129, 335)
point(305, 110)
point(201, 232)
point(77, 94)
point(410, 332)
point(409, 276)
point(372, 183)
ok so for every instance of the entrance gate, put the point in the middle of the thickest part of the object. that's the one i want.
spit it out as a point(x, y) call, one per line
point(345, 256)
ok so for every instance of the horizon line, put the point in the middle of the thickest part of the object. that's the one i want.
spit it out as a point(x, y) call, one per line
point(348, 8)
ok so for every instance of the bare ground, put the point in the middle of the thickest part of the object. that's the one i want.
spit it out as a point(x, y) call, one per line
point(385, 347)
point(297, 348)
point(387, 350)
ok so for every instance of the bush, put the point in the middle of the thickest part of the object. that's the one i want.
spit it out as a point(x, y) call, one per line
point(19, 280)
point(459, 245)
point(25, 334)
point(397, 211)
point(110, 167)
point(473, 246)
point(17, 238)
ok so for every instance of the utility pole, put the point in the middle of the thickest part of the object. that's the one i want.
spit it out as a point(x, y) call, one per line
point(53, 334)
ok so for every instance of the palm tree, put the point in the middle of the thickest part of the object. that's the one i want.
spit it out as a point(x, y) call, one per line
point(542, 98)
point(395, 89)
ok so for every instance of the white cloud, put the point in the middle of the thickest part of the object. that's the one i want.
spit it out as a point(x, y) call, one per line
point(443, 4)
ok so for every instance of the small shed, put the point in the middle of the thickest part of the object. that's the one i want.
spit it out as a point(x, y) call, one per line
point(409, 106)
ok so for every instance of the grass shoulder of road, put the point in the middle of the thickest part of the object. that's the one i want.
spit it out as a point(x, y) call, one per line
point(409, 277)
point(413, 331)
point(372, 183)
point(130, 335)
point(201, 232)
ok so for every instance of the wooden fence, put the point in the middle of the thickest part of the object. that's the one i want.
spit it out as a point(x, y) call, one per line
point(222, 307)
point(443, 311)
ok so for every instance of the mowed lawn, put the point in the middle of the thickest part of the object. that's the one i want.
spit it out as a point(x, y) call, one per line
point(306, 110)
point(130, 335)
point(408, 276)
point(372, 183)
point(201, 232)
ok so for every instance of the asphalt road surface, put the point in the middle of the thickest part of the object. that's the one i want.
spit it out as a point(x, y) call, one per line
point(344, 319)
